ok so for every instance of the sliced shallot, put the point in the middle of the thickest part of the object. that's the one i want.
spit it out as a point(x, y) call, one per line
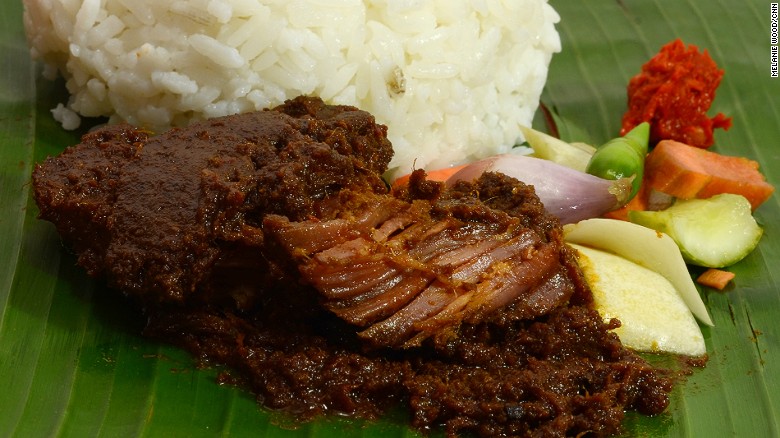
point(569, 194)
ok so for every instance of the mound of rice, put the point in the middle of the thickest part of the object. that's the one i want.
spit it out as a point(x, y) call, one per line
point(452, 80)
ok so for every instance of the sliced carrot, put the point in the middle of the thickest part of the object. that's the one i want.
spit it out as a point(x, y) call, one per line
point(688, 172)
point(431, 175)
point(715, 278)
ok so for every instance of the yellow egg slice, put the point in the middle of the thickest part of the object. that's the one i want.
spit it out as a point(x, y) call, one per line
point(654, 318)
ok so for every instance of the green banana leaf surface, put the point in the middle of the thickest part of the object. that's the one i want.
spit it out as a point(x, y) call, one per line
point(73, 362)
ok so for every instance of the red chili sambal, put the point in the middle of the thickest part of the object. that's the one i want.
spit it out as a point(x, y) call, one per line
point(673, 92)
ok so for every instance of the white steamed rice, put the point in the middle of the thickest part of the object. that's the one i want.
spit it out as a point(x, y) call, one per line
point(452, 79)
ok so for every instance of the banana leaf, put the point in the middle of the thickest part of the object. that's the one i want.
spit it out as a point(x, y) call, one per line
point(73, 362)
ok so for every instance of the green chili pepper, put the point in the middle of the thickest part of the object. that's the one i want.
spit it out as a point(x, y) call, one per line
point(622, 157)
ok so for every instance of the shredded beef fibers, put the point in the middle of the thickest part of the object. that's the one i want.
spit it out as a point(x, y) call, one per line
point(268, 242)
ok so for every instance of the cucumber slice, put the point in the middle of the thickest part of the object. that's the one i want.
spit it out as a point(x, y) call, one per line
point(714, 232)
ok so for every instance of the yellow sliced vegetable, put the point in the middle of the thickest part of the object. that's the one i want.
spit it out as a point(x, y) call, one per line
point(643, 246)
point(653, 316)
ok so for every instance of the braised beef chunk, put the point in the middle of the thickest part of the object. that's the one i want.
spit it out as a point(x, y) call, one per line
point(407, 269)
point(165, 209)
point(269, 242)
